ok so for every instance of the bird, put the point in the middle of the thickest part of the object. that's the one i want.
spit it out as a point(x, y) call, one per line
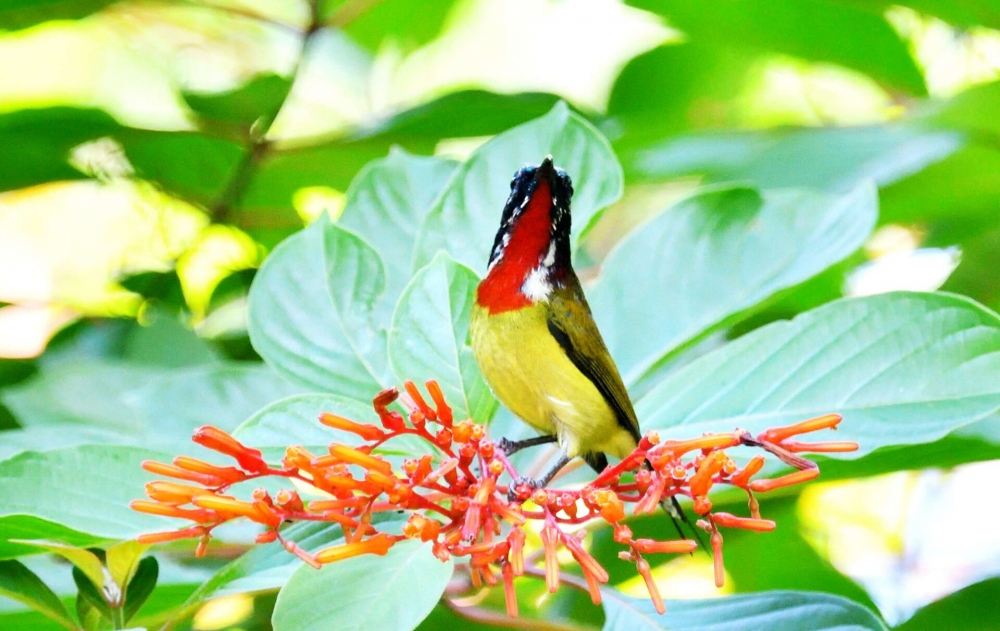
point(536, 341)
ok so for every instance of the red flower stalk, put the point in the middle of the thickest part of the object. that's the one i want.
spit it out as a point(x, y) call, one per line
point(457, 497)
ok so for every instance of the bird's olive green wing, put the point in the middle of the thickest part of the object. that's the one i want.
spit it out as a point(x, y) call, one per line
point(572, 325)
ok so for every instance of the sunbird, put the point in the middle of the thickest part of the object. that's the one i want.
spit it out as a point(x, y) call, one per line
point(535, 339)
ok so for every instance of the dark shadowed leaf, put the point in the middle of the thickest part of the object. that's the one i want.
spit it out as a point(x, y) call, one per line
point(21, 584)
point(18, 14)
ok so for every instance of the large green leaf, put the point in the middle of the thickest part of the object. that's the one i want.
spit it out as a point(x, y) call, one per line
point(223, 395)
point(86, 489)
point(429, 338)
point(774, 611)
point(85, 392)
point(464, 219)
point(714, 256)
point(311, 312)
point(266, 567)
point(21, 584)
point(295, 421)
point(391, 593)
point(18, 14)
point(385, 205)
point(815, 30)
point(903, 368)
point(832, 159)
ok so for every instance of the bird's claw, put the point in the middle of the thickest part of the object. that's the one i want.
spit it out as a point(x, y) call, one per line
point(505, 445)
point(516, 493)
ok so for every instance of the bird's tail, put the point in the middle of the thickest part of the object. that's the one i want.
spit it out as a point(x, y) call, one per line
point(673, 509)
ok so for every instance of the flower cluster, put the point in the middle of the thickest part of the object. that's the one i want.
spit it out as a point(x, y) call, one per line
point(456, 498)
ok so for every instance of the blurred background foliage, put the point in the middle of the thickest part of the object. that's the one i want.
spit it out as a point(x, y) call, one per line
point(153, 153)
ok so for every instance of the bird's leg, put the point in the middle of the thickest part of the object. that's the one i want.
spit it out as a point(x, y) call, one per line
point(541, 482)
point(511, 447)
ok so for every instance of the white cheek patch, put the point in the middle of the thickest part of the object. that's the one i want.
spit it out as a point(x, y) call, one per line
point(550, 257)
point(536, 286)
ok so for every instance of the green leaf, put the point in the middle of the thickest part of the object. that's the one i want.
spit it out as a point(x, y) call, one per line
point(19, 14)
point(970, 609)
point(93, 611)
point(168, 343)
point(295, 420)
point(311, 312)
point(86, 489)
point(88, 562)
point(82, 392)
point(266, 567)
point(123, 560)
point(189, 164)
point(223, 395)
point(392, 593)
point(404, 22)
point(257, 99)
point(38, 142)
point(21, 584)
point(429, 338)
point(831, 159)
point(386, 203)
point(664, 90)
point(811, 29)
point(14, 527)
point(465, 217)
point(140, 586)
point(964, 13)
point(774, 611)
point(902, 368)
point(713, 257)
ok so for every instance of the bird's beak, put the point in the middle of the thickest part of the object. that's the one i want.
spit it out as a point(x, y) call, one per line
point(546, 170)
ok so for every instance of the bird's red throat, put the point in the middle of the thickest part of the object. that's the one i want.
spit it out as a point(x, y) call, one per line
point(529, 241)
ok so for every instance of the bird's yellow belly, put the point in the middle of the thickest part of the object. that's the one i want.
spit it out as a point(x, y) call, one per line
point(530, 373)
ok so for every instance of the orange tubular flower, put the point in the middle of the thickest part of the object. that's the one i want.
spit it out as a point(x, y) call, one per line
point(367, 432)
point(379, 544)
point(465, 498)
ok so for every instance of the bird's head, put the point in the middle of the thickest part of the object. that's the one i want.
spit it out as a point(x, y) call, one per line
point(531, 252)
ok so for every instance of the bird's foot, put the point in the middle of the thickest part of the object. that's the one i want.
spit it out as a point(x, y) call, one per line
point(521, 489)
point(507, 446)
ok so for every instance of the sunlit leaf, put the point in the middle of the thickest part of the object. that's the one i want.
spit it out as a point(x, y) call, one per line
point(810, 29)
point(85, 560)
point(902, 368)
point(372, 592)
